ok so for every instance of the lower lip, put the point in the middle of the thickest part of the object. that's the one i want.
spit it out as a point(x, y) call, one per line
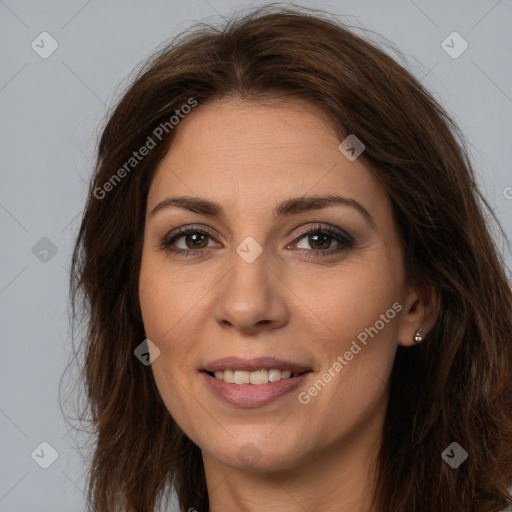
point(252, 395)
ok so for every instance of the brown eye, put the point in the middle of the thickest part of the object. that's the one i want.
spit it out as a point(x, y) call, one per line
point(188, 242)
point(318, 240)
point(195, 240)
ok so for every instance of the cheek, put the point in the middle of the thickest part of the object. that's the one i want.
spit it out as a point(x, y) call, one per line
point(358, 355)
point(167, 303)
point(164, 305)
point(349, 300)
point(170, 312)
point(356, 319)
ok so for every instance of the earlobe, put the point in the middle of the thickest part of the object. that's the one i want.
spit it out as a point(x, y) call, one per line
point(420, 314)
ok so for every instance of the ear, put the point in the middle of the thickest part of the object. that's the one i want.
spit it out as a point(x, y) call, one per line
point(421, 308)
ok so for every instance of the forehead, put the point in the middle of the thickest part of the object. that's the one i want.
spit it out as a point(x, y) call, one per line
point(240, 153)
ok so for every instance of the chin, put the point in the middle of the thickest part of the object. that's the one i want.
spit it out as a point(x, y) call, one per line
point(257, 449)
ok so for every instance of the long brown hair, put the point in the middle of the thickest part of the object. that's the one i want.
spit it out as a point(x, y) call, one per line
point(455, 387)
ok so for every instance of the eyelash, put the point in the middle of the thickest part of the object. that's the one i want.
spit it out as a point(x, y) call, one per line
point(345, 241)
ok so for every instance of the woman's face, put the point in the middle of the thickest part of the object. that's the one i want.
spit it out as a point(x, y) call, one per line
point(270, 281)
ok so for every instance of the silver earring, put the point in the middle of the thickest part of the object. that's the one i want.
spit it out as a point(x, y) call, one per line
point(418, 338)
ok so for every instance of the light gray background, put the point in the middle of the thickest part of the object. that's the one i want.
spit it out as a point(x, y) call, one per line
point(50, 112)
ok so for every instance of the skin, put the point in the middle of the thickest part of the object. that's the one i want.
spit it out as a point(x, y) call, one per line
point(248, 157)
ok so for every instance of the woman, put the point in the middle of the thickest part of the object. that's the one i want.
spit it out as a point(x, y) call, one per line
point(293, 301)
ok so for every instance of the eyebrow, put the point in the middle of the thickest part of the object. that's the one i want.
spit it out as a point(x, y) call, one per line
point(292, 206)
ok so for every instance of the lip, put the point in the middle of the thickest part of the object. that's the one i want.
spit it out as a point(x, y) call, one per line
point(254, 364)
point(251, 395)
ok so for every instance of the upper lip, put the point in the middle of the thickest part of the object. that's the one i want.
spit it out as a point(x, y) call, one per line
point(254, 364)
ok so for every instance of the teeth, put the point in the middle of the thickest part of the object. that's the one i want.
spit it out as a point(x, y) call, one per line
point(242, 377)
point(274, 375)
point(257, 377)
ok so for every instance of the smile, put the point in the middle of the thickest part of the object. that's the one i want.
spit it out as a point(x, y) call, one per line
point(254, 382)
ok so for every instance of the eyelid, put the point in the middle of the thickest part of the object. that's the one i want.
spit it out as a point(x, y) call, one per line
point(324, 227)
point(191, 227)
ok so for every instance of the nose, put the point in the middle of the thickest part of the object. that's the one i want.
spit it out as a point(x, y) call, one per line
point(250, 298)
